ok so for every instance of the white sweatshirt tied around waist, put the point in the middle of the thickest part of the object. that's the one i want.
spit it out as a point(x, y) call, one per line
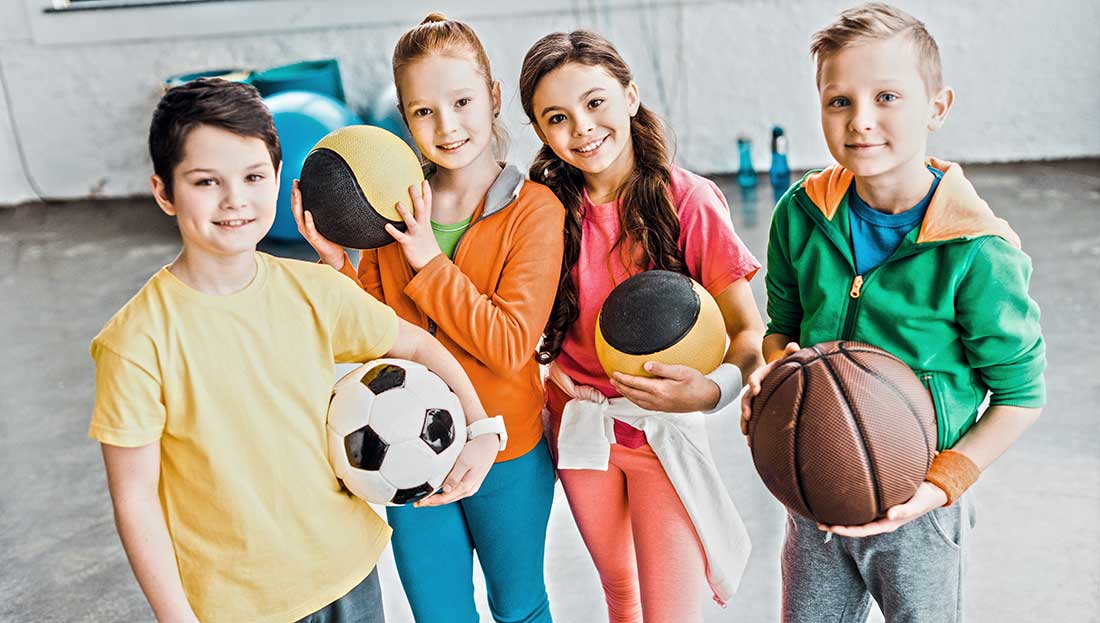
point(680, 442)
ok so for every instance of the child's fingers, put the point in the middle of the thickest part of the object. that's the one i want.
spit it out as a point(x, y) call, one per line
point(421, 202)
point(639, 383)
point(669, 371)
point(427, 194)
point(396, 233)
point(407, 216)
point(452, 489)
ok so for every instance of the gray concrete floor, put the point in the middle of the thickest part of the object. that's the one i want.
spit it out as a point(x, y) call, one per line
point(65, 269)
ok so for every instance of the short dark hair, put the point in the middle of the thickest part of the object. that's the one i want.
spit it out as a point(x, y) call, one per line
point(232, 106)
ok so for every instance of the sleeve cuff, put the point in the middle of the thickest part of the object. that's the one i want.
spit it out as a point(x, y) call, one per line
point(728, 378)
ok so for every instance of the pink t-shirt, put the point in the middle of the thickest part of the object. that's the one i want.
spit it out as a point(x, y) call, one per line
point(715, 257)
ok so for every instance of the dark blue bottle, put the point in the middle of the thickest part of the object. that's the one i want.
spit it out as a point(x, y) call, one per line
point(780, 172)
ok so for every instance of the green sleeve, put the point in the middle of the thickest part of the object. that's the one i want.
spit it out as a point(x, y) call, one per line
point(999, 324)
point(784, 305)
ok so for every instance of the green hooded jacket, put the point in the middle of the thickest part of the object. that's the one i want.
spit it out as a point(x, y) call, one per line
point(951, 302)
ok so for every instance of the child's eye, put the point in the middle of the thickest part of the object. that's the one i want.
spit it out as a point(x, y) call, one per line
point(254, 177)
point(838, 102)
point(595, 103)
point(206, 181)
point(887, 97)
point(422, 112)
point(555, 119)
point(462, 102)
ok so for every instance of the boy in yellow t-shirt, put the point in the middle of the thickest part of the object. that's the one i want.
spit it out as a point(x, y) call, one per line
point(212, 385)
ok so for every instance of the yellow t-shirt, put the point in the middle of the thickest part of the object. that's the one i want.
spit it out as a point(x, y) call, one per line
point(236, 388)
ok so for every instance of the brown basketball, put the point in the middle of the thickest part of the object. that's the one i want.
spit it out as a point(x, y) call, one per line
point(841, 432)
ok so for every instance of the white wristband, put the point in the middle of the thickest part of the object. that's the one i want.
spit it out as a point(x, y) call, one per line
point(728, 378)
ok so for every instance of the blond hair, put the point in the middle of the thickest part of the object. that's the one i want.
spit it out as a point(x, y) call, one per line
point(438, 35)
point(876, 21)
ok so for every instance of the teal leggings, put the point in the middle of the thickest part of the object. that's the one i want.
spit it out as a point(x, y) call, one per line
point(505, 521)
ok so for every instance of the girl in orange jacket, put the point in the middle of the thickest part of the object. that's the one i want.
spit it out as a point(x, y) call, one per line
point(478, 267)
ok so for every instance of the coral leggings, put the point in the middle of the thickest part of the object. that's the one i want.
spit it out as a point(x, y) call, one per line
point(645, 548)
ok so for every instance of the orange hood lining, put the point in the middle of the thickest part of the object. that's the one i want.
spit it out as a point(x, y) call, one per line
point(956, 210)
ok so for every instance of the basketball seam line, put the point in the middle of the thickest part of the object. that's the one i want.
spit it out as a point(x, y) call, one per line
point(904, 398)
point(797, 421)
point(862, 437)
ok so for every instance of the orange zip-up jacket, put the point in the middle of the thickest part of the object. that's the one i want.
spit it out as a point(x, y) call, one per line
point(490, 305)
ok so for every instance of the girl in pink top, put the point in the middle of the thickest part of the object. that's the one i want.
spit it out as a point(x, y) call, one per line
point(629, 209)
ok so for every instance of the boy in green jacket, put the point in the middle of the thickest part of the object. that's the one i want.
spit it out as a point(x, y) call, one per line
point(896, 249)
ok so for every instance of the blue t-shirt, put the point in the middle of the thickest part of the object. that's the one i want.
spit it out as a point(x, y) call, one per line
point(876, 235)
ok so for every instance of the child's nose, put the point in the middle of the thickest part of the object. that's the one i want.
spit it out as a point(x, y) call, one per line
point(445, 123)
point(583, 125)
point(863, 119)
point(234, 197)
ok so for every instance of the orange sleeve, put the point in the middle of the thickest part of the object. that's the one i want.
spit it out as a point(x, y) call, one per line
point(500, 328)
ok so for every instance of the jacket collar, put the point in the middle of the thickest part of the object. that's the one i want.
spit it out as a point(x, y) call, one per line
point(956, 210)
point(502, 192)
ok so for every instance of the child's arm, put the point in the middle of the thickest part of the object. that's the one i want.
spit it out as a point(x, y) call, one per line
point(133, 475)
point(678, 388)
point(416, 344)
point(999, 427)
point(500, 328)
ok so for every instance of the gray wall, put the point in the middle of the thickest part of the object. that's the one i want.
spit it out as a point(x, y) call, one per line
point(80, 87)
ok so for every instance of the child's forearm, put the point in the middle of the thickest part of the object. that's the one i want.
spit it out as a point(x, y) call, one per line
point(744, 350)
point(144, 534)
point(999, 427)
point(148, 547)
point(773, 346)
point(416, 344)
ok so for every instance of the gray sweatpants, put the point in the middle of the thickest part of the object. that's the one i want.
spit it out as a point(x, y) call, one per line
point(914, 573)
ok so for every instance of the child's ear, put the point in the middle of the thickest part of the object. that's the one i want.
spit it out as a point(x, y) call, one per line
point(633, 99)
point(939, 107)
point(160, 194)
point(495, 92)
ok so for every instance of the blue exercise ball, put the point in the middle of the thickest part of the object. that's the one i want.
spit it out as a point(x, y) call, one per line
point(302, 118)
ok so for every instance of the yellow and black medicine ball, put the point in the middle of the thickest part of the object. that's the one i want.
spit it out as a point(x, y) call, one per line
point(660, 316)
point(351, 182)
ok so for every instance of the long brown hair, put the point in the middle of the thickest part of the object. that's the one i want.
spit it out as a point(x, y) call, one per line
point(649, 229)
point(436, 34)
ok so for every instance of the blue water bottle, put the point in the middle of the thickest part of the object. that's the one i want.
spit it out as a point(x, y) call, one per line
point(780, 172)
point(746, 175)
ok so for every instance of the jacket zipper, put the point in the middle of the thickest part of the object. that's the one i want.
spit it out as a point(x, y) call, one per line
point(937, 404)
point(852, 308)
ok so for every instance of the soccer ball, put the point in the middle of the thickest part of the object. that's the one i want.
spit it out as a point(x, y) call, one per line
point(394, 431)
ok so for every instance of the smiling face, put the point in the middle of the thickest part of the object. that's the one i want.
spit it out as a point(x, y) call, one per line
point(583, 114)
point(224, 192)
point(876, 112)
point(449, 109)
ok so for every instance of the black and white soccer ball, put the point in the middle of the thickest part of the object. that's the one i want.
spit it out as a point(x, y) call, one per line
point(395, 430)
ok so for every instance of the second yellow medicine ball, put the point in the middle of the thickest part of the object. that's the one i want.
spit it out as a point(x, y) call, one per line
point(660, 316)
point(351, 182)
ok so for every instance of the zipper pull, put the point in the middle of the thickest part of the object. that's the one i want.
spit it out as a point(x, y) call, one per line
point(857, 284)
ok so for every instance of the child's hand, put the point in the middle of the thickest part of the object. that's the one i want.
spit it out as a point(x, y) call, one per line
point(927, 498)
point(673, 388)
point(329, 252)
point(753, 383)
point(571, 389)
point(418, 241)
point(465, 479)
